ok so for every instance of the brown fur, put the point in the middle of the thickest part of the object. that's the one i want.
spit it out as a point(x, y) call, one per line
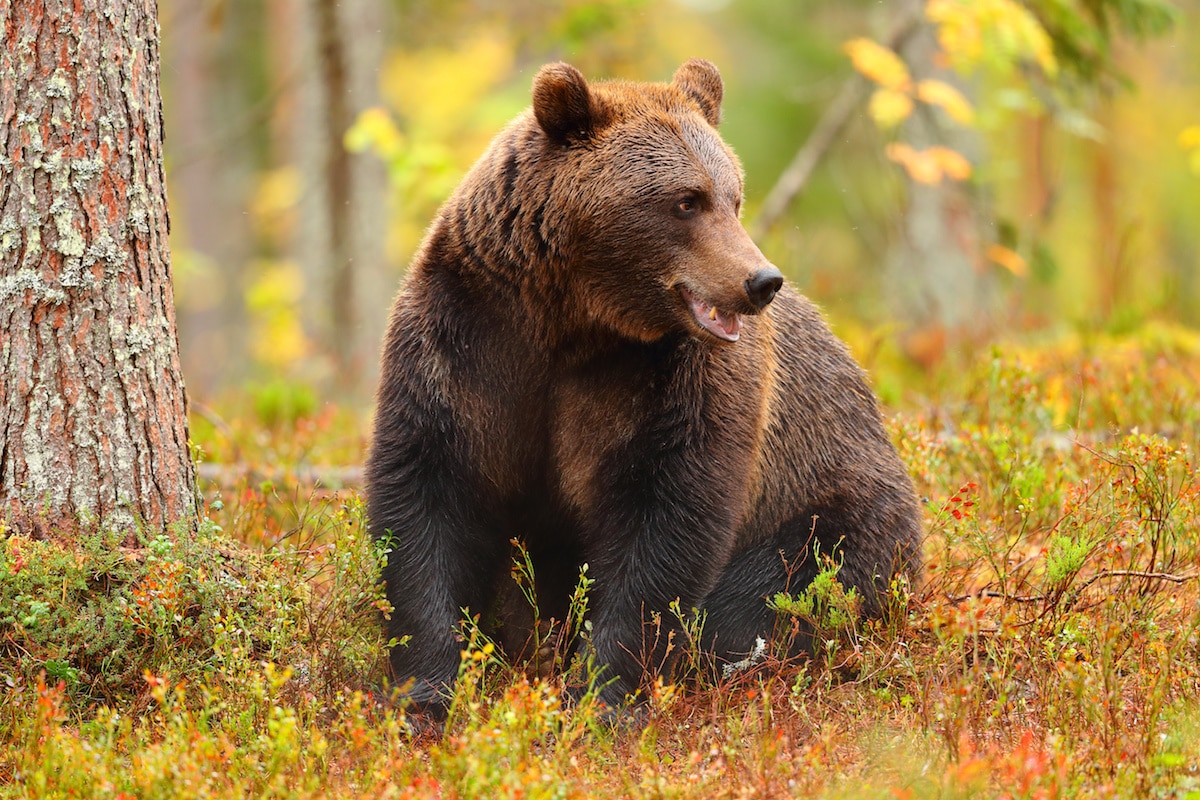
point(549, 375)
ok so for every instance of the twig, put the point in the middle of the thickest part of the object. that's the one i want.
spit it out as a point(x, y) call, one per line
point(218, 422)
point(793, 179)
point(1108, 573)
point(346, 477)
point(1133, 573)
point(1016, 598)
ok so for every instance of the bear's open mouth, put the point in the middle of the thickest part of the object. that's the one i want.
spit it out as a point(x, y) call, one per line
point(722, 324)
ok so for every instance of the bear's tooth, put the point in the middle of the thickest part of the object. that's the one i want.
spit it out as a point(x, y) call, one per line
point(712, 313)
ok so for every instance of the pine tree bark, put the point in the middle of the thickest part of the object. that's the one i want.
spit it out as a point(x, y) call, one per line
point(93, 415)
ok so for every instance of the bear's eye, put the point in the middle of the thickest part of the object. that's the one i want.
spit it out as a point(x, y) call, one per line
point(687, 207)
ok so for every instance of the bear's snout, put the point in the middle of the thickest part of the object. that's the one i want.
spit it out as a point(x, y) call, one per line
point(762, 286)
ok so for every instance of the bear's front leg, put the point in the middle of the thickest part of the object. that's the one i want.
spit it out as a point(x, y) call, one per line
point(429, 506)
point(656, 546)
point(658, 530)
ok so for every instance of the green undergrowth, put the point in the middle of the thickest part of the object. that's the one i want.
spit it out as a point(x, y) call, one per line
point(1050, 650)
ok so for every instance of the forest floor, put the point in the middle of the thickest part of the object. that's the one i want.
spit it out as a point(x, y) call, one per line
point(1051, 648)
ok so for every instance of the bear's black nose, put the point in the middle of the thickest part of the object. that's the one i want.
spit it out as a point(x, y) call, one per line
point(762, 286)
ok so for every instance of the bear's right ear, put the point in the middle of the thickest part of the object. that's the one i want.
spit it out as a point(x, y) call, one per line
point(563, 105)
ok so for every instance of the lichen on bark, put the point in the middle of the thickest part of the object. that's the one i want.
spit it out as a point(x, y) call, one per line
point(93, 414)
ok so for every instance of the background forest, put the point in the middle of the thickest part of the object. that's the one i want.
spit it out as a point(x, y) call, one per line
point(309, 143)
point(997, 203)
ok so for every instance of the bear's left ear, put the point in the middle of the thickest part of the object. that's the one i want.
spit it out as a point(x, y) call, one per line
point(701, 81)
point(564, 106)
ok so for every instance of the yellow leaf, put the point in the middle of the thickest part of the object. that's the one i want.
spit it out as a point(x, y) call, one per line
point(1008, 259)
point(278, 191)
point(437, 89)
point(374, 130)
point(932, 165)
point(921, 167)
point(957, 30)
point(898, 152)
point(272, 301)
point(278, 284)
point(1002, 33)
point(946, 97)
point(889, 107)
point(952, 163)
point(878, 63)
point(1189, 138)
point(273, 204)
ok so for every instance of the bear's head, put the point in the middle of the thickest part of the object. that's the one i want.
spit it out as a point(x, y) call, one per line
point(645, 200)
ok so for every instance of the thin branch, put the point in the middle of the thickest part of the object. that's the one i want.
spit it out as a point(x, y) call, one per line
point(327, 477)
point(992, 593)
point(1132, 573)
point(795, 178)
point(1108, 573)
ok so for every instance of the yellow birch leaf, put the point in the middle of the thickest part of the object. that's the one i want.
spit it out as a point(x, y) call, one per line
point(272, 300)
point(889, 107)
point(921, 167)
point(374, 130)
point(1189, 138)
point(946, 97)
point(958, 31)
point(1002, 32)
point(924, 169)
point(952, 163)
point(878, 63)
point(1008, 259)
point(274, 202)
point(278, 190)
point(898, 152)
point(1038, 41)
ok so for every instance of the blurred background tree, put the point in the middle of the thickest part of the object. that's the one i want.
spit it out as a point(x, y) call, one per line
point(310, 142)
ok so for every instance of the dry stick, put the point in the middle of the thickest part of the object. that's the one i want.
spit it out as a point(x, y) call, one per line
point(327, 477)
point(1168, 577)
point(1132, 573)
point(793, 179)
point(993, 594)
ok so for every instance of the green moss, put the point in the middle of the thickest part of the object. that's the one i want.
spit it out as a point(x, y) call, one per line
point(99, 615)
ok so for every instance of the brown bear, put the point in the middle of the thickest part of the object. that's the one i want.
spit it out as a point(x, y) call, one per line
point(591, 356)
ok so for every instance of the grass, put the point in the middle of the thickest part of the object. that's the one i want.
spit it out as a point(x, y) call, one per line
point(1051, 650)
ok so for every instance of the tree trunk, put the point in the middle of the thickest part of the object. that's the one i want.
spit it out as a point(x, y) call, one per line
point(937, 278)
point(332, 60)
point(213, 119)
point(93, 416)
point(338, 243)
